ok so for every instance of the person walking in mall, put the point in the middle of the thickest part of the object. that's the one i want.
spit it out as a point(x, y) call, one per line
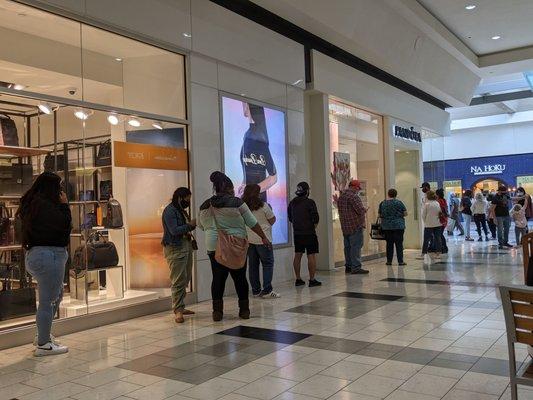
point(392, 213)
point(258, 253)
point(518, 214)
point(479, 211)
point(226, 213)
point(178, 249)
point(443, 218)
point(466, 212)
point(525, 201)
point(46, 224)
point(431, 212)
point(491, 218)
point(503, 220)
point(303, 215)
point(455, 216)
point(352, 216)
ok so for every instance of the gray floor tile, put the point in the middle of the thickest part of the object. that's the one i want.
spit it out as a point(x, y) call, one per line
point(375, 353)
point(162, 371)
point(221, 349)
point(234, 360)
point(389, 348)
point(348, 346)
point(492, 366)
point(415, 356)
point(458, 357)
point(181, 350)
point(443, 363)
point(262, 348)
point(189, 361)
point(144, 363)
point(200, 374)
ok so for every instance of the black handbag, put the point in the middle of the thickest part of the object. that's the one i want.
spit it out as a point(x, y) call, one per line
point(106, 189)
point(8, 132)
point(97, 253)
point(15, 179)
point(16, 303)
point(376, 232)
point(50, 162)
point(103, 157)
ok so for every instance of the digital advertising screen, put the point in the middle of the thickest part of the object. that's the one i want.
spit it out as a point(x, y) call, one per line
point(254, 139)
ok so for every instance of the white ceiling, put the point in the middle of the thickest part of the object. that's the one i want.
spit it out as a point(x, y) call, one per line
point(510, 19)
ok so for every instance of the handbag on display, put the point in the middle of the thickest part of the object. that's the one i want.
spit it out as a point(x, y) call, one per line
point(113, 215)
point(231, 250)
point(376, 232)
point(97, 253)
point(103, 157)
point(5, 225)
point(15, 179)
point(89, 221)
point(18, 302)
point(50, 162)
point(8, 132)
point(106, 189)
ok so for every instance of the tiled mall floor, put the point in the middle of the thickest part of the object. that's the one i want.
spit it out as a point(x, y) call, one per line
point(423, 332)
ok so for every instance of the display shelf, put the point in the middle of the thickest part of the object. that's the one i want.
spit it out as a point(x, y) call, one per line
point(15, 151)
point(10, 197)
point(13, 247)
point(77, 203)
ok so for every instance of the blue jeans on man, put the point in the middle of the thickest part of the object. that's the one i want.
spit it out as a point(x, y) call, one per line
point(503, 225)
point(353, 244)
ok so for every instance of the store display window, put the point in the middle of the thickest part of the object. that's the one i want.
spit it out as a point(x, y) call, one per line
point(108, 115)
point(356, 152)
point(526, 182)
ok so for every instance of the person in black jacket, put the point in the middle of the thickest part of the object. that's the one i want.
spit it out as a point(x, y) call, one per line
point(303, 215)
point(46, 224)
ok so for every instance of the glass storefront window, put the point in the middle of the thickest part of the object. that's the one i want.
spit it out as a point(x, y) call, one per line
point(526, 182)
point(356, 143)
point(76, 109)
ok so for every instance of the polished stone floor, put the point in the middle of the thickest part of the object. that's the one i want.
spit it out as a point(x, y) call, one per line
point(422, 332)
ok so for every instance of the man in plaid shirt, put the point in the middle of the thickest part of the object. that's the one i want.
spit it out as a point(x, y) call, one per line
point(352, 215)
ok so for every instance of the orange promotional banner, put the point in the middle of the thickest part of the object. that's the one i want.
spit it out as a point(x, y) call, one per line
point(138, 155)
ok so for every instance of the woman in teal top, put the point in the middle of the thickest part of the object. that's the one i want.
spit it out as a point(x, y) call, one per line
point(233, 216)
point(392, 213)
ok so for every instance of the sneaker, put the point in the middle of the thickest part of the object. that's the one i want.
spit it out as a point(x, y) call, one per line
point(314, 282)
point(480, 239)
point(388, 263)
point(299, 282)
point(402, 264)
point(271, 295)
point(188, 312)
point(50, 349)
point(36, 340)
point(469, 239)
point(256, 295)
point(360, 271)
point(347, 270)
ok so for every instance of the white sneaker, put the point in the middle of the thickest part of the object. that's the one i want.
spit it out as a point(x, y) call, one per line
point(50, 349)
point(36, 339)
point(271, 295)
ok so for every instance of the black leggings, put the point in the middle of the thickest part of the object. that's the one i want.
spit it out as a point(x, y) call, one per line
point(220, 274)
point(394, 238)
point(481, 222)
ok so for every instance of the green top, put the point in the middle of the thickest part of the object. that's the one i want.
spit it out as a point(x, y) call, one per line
point(392, 214)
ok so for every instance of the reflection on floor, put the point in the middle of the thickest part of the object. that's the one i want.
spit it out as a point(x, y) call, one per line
point(422, 332)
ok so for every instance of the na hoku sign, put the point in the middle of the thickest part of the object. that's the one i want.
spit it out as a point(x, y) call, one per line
point(493, 169)
point(408, 134)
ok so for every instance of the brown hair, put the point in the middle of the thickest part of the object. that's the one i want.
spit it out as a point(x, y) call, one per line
point(430, 195)
point(251, 196)
point(392, 193)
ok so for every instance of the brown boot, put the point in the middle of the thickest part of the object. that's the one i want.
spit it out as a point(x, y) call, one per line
point(218, 310)
point(188, 312)
point(178, 317)
point(244, 309)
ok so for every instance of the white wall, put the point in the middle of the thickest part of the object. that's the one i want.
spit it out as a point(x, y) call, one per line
point(481, 142)
point(208, 76)
point(340, 80)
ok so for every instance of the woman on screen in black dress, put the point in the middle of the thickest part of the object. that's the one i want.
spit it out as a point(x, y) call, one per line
point(257, 163)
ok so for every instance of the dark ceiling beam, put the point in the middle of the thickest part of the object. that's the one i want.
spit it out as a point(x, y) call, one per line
point(310, 41)
point(497, 98)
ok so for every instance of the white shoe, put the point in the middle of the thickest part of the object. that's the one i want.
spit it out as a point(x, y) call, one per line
point(50, 349)
point(36, 339)
point(271, 295)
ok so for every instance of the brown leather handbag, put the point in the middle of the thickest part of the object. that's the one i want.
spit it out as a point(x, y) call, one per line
point(231, 250)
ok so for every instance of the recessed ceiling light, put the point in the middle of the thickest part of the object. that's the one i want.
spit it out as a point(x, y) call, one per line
point(82, 114)
point(243, 94)
point(186, 34)
point(496, 37)
point(157, 125)
point(118, 59)
point(45, 108)
point(112, 119)
point(18, 86)
point(470, 6)
point(134, 122)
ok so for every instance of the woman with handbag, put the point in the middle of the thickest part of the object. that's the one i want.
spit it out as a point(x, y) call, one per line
point(392, 213)
point(224, 219)
point(178, 244)
point(46, 224)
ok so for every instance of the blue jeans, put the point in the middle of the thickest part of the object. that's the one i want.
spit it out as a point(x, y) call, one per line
point(352, 249)
point(47, 266)
point(519, 234)
point(467, 222)
point(503, 225)
point(260, 254)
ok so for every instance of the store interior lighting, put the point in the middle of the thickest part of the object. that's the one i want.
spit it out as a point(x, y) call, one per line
point(82, 114)
point(112, 119)
point(134, 122)
point(46, 108)
point(157, 125)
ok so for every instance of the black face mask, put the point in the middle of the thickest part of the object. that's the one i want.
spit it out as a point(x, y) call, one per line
point(185, 203)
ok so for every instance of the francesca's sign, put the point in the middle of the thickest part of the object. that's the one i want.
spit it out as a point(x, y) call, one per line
point(138, 155)
point(487, 169)
point(408, 134)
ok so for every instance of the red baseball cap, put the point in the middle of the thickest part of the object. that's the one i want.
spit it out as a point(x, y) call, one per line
point(355, 184)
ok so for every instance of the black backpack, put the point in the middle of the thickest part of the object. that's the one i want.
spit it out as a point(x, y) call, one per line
point(9, 132)
point(113, 215)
